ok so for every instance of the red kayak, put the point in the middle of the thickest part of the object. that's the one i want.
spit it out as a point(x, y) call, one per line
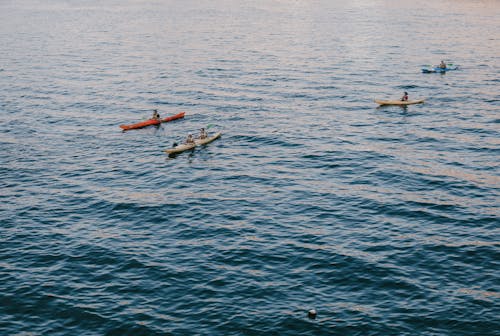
point(152, 122)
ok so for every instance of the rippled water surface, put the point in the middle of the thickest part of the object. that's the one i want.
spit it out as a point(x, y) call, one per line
point(384, 220)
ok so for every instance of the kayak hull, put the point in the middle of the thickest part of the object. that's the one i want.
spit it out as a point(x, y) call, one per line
point(152, 122)
point(180, 148)
point(438, 69)
point(197, 142)
point(398, 102)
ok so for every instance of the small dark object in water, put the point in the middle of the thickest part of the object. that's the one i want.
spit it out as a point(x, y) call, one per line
point(175, 144)
point(312, 314)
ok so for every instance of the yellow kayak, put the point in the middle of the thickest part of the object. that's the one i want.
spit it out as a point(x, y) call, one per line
point(197, 142)
point(398, 102)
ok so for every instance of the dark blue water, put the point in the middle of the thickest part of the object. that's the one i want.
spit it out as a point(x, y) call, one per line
point(384, 220)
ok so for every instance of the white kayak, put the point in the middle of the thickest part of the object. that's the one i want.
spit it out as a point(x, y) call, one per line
point(197, 142)
point(398, 102)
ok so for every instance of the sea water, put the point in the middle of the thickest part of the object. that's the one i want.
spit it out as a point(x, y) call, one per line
point(383, 220)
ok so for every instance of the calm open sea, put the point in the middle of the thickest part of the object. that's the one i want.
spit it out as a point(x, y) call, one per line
point(384, 220)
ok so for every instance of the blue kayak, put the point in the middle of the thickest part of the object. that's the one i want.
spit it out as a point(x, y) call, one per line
point(437, 69)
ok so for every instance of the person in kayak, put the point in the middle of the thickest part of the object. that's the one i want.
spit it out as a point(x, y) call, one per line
point(405, 97)
point(156, 115)
point(442, 65)
point(203, 134)
point(189, 140)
